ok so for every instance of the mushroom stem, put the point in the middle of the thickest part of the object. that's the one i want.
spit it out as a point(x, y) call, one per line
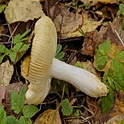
point(80, 78)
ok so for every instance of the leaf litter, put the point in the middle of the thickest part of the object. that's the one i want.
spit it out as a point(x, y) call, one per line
point(98, 22)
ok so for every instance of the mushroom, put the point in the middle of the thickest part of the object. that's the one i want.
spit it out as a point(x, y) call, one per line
point(43, 66)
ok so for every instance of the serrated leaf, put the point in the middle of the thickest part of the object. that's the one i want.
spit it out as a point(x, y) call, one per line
point(120, 56)
point(14, 102)
point(29, 111)
point(121, 8)
point(2, 7)
point(105, 47)
point(12, 55)
point(11, 120)
point(3, 118)
point(17, 100)
point(107, 101)
point(101, 62)
point(66, 109)
point(24, 120)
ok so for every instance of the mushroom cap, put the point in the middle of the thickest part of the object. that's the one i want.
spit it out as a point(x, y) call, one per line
point(42, 53)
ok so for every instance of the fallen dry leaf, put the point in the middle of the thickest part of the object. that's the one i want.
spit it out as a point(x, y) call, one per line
point(2, 93)
point(115, 119)
point(107, 1)
point(88, 25)
point(89, 67)
point(68, 21)
point(6, 72)
point(23, 10)
point(25, 67)
point(119, 105)
point(48, 117)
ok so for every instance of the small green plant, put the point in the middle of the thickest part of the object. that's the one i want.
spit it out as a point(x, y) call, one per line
point(67, 109)
point(59, 53)
point(82, 32)
point(17, 105)
point(114, 75)
point(121, 10)
point(17, 46)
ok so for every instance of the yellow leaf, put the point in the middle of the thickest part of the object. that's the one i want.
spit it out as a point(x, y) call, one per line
point(48, 117)
point(88, 25)
point(25, 67)
point(107, 1)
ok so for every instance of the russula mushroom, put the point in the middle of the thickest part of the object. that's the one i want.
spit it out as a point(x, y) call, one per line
point(43, 66)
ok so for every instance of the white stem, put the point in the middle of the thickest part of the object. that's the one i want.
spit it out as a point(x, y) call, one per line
point(80, 78)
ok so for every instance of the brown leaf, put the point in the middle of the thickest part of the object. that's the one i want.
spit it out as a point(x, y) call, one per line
point(18, 10)
point(6, 72)
point(48, 117)
point(2, 94)
point(107, 1)
point(68, 22)
point(88, 25)
point(119, 105)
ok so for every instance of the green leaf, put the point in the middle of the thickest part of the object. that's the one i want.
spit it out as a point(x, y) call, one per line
point(121, 122)
point(107, 101)
point(60, 56)
point(3, 49)
point(122, 24)
point(12, 55)
point(2, 57)
point(59, 48)
point(19, 38)
point(24, 120)
point(16, 39)
point(3, 118)
point(105, 47)
point(17, 100)
point(101, 62)
point(66, 109)
point(121, 8)
point(11, 120)
point(2, 7)
point(25, 33)
point(24, 47)
point(78, 64)
point(82, 32)
point(76, 113)
point(29, 111)
point(17, 46)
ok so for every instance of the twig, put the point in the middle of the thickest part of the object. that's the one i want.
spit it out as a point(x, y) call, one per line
point(13, 31)
point(5, 35)
point(119, 38)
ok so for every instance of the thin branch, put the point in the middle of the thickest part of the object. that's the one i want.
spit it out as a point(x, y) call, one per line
point(119, 38)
